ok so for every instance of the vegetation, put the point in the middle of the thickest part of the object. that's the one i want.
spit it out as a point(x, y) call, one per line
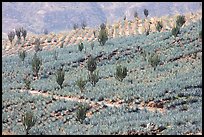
point(27, 81)
point(83, 25)
point(11, 36)
point(146, 12)
point(60, 77)
point(180, 21)
point(24, 33)
point(45, 31)
point(80, 46)
point(121, 73)
point(154, 60)
point(103, 35)
point(200, 34)
point(81, 84)
point(81, 113)
point(91, 64)
point(37, 45)
point(135, 14)
point(75, 26)
point(28, 121)
point(159, 26)
point(93, 78)
point(22, 54)
point(175, 31)
point(36, 64)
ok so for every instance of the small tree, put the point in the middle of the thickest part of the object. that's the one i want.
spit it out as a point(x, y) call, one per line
point(154, 60)
point(81, 113)
point(103, 35)
point(91, 64)
point(80, 46)
point(28, 121)
point(18, 33)
point(60, 77)
point(121, 73)
point(135, 14)
point(75, 26)
point(81, 84)
point(180, 21)
point(24, 33)
point(93, 78)
point(36, 64)
point(175, 31)
point(159, 26)
point(146, 12)
point(11, 36)
point(84, 24)
point(22, 54)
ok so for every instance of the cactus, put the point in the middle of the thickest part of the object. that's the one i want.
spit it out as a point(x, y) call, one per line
point(60, 77)
point(121, 73)
point(28, 121)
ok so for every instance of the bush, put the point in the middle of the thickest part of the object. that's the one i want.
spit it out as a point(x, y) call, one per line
point(18, 33)
point(75, 26)
point(146, 12)
point(11, 36)
point(22, 54)
point(81, 113)
point(103, 35)
point(60, 77)
point(93, 78)
point(83, 25)
point(121, 73)
point(180, 21)
point(91, 64)
point(27, 82)
point(37, 45)
point(175, 31)
point(80, 46)
point(28, 121)
point(159, 26)
point(24, 33)
point(36, 64)
point(81, 84)
point(154, 60)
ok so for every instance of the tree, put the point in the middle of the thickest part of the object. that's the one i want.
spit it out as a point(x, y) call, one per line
point(80, 46)
point(91, 64)
point(84, 24)
point(180, 21)
point(81, 84)
point(175, 31)
point(11, 36)
point(103, 35)
point(36, 64)
point(146, 12)
point(81, 113)
point(60, 77)
point(24, 33)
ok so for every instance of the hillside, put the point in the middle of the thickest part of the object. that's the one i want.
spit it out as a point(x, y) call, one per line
point(166, 100)
point(60, 16)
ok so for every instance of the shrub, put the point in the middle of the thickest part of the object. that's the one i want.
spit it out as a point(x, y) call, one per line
point(22, 54)
point(121, 73)
point(103, 35)
point(180, 21)
point(75, 26)
point(27, 82)
point(154, 60)
point(81, 84)
point(159, 26)
point(18, 33)
point(91, 64)
point(24, 33)
point(81, 113)
point(60, 77)
point(37, 45)
point(175, 31)
point(28, 121)
point(135, 14)
point(93, 78)
point(80, 46)
point(36, 64)
point(83, 25)
point(146, 12)
point(103, 26)
point(11, 36)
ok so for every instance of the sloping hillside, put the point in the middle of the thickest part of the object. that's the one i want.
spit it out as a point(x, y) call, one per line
point(163, 100)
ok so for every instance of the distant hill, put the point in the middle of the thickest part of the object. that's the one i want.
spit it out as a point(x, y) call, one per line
point(60, 16)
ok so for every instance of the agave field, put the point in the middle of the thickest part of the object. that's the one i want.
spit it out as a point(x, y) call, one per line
point(166, 100)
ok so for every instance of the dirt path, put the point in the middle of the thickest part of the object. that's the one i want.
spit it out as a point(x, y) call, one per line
point(93, 103)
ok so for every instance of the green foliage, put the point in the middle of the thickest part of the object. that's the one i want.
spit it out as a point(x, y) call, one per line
point(91, 64)
point(81, 84)
point(121, 73)
point(22, 54)
point(93, 77)
point(60, 77)
point(154, 60)
point(146, 12)
point(159, 26)
point(18, 33)
point(27, 82)
point(36, 64)
point(28, 121)
point(81, 112)
point(11, 36)
point(103, 35)
point(80, 46)
point(180, 21)
point(175, 31)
